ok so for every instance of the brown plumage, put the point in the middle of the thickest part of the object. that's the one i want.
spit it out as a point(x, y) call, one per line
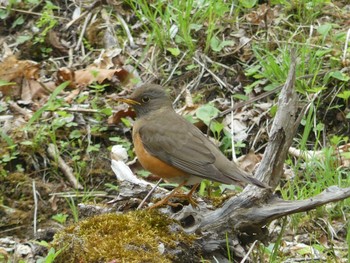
point(169, 146)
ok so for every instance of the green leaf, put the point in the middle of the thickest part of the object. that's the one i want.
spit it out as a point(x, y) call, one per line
point(19, 21)
point(27, 143)
point(249, 88)
point(248, 3)
point(126, 122)
point(106, 111)
point(339, 75)
point(324, 29)
point(344, 95)
point(143, 173)
point(174, 51)
point(240, 96)
point(112, 186)
point(216, 127)
point(7, 138)
point(304, 251)
point(42, 243)
point(190, 118)
point(93, 148)
point(206, 112)
point(217, 45)
point(335, 140)
point(60, 218)
point(271, 86)
point(191, 66)
point(321, 53)
point(50, 256)
point(195, 27)
point(273, 110)
point(253, 70)
point(6, 83)
point(345, 155)
point(75, 134)
point(315, 89)
point(319, 127)
point(6, 158)
point(319, 247)
point(3, 14)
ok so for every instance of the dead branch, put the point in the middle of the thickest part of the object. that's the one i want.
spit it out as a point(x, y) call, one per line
point(66, 169)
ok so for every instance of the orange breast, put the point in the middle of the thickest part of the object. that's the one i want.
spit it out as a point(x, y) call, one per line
point(156, 166)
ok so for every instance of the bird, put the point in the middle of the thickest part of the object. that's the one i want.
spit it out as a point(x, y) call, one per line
point(172, 148)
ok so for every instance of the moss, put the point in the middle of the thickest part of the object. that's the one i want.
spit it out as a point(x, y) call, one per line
point(132, 237)
point(218, 201)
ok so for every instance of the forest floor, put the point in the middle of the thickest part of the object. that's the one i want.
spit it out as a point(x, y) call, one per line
point(63, 63)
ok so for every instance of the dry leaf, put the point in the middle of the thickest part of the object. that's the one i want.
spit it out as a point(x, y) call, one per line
point(14, 71)
point(85, 77)
point(249, 161)
point(122, 112)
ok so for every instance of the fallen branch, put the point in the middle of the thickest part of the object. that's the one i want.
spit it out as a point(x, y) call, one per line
point(65, 168)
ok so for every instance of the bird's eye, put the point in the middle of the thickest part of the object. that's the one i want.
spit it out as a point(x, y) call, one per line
point(145, 99)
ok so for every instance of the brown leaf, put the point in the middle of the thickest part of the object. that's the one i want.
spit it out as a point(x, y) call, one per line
point(54, 41)
point(122, 112)
point(66, 74)
point(13, 70)
point(87, 76)
point(32, 89)
point(323, 240)
point(249, 161)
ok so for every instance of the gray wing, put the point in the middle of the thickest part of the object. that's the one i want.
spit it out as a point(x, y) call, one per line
point(185, 150)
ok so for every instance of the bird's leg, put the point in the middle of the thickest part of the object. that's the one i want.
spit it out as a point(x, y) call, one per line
point(165, 200)
point(188, 196)
point(175, 193)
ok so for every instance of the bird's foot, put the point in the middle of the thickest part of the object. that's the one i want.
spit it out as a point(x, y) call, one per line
point(174, 193)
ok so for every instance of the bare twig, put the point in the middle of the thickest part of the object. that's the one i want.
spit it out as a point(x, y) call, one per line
point(32, 13)
point(67, 171)
point(87, 19)
point(249, 251)
point(221, 83)
point(35, 207)
point(127, 31)
point(278, 208)
point(175, 67)
point(26, 113)
point(346, 45)
point(149, 194)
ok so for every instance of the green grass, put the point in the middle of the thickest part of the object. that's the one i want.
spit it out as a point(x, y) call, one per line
point(319, 69)
point(183, 25)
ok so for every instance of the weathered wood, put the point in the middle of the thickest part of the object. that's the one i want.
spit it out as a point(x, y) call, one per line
point(232, 214)
point(246, 215)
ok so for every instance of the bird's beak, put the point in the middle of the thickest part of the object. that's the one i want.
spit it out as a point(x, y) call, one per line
point(129, 101)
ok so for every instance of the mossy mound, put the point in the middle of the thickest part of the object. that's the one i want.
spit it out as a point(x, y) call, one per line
point(137, 236)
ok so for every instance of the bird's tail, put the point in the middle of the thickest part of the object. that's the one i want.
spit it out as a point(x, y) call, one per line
point(256, 182)
point(241, 178)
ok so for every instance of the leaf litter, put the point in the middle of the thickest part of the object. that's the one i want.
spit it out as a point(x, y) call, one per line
point(103, 51)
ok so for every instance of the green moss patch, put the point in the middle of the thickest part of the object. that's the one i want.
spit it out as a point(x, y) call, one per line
point(137, 236)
